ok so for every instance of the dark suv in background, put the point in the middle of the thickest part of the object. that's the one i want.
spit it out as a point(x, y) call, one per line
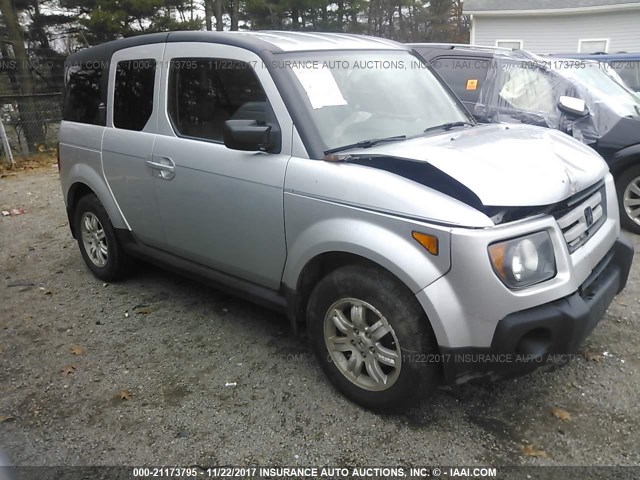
point(580, 97)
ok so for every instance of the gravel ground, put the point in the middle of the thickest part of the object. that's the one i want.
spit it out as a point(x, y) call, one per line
point(175, 345)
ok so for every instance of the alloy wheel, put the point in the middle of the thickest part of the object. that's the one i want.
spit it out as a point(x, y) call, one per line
point(362, 344)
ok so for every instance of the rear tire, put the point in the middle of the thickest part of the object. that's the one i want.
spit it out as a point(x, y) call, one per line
point(628, 189)
point(97, 240)
point(372, 338)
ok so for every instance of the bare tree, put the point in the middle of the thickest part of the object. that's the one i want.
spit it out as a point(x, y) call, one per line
point(235, 13)
point(208, 13)
point(219, 24)
point(31, 124)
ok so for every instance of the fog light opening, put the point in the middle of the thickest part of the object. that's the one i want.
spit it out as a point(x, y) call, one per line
point(534, 344)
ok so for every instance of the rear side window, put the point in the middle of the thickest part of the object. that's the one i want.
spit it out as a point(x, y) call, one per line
point(133, 93)
point(83, 94)
point(206, 92)
point(465, 76)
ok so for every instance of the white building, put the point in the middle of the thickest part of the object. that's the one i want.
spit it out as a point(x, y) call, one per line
point(556, 26)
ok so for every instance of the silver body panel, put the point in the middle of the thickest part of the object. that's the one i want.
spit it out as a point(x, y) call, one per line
point(81, 148)
point(124, 153)
point(514, 165)
point(263, 217)
point(223, 208)
point(307, 41)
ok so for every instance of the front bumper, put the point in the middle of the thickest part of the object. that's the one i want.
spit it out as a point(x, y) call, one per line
point(548, 333)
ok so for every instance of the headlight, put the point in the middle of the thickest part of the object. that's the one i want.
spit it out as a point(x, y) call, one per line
point(524, 261)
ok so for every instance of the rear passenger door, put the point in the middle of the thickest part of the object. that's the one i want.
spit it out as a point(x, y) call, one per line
point(220, 207)
point(134, 80)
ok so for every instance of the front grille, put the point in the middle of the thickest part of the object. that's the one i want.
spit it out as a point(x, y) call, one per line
point(582, 221)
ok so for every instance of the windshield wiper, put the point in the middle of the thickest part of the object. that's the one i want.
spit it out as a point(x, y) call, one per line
point(448, 126)
point(366, 144)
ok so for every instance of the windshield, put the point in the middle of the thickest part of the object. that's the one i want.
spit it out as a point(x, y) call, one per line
point(354, 96)
point(604, 84)
point(629, 71)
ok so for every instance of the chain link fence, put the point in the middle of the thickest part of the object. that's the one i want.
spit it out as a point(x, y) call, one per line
point(31, 122)
point(30, 104)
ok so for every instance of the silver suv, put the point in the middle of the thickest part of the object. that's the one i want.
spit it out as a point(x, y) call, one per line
point(337, 179)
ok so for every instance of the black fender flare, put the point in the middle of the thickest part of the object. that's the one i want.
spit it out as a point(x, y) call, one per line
point(624, 158)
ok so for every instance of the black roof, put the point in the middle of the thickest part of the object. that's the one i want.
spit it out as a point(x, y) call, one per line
point(257, 42)
point(431, 50)
point(105, 51)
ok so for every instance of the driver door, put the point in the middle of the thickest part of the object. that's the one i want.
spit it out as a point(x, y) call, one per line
point(221, 208)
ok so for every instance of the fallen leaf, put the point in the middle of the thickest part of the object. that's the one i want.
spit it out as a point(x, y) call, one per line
point(145, 311)
point(125, 395)
point(593, 357)
point(6, 418)
point(68, 370)
point(13, 212)
point(620, 302)
point(531, 451)
point(561, 414)
point(77, 350)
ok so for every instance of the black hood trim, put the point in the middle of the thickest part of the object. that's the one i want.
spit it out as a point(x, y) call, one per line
point(426, 174)
point(422, 173)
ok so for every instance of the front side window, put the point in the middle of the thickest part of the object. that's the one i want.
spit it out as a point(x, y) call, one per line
point(82, 98)
point(133, 93)
point(352, 96)
point(205, 92)
point(526, 88)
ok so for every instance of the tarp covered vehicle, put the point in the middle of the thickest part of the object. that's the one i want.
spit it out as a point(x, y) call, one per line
point(585, 99)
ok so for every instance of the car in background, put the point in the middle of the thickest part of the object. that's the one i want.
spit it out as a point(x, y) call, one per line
point(578, 97)
point(627, 65)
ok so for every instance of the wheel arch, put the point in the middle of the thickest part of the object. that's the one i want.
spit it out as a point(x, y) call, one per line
point(84, 180)
point(624, 159)
point(313, 271)
point(323, 263)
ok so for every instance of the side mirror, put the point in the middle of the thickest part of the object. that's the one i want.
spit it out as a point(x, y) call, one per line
point(246, 135)
point(573, 106)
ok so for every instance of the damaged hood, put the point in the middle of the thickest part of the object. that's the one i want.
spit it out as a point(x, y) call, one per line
point(514, 165)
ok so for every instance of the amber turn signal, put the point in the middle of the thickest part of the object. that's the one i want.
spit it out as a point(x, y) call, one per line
point(429, 242)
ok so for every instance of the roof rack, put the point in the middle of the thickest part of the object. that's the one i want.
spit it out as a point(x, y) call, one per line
point(464, 45)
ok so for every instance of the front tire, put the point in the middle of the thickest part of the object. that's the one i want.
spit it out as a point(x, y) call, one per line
point(628, 188)
point(97, 240)
point(372, 338)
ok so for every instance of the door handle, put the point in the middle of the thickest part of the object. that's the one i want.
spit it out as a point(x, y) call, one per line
point(161, 166)
point(165, 166)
